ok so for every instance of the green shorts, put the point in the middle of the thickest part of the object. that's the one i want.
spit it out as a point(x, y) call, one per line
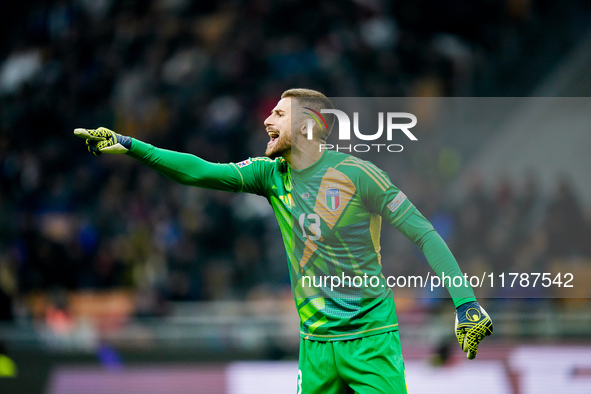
point(368, 365)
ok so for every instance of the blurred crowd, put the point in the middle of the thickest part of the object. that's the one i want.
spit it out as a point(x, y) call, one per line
point(200, 77)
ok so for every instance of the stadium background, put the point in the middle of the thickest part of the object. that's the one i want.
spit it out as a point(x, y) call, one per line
point(112, 276)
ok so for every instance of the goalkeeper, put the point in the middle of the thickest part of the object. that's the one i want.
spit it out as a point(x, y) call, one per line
point(329, 206)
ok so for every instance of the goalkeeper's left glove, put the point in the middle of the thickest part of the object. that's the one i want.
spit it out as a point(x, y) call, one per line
point(104, 140)
point(472, 325)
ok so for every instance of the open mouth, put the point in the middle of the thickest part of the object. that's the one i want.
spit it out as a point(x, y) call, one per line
point(274, 136)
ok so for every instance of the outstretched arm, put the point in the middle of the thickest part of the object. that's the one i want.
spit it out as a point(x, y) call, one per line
point(184, 168)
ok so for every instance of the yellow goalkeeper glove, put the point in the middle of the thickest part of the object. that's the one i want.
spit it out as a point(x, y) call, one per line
point(104, 140)
point(472, 325)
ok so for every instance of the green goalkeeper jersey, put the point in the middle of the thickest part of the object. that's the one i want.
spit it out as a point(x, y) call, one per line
point(335, 260)
point(330, 218)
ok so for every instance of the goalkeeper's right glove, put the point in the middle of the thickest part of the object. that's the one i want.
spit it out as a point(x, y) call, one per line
point(472, 325)
point(104, 140)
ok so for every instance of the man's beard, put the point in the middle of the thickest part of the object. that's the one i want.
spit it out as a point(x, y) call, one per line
point(282, 145)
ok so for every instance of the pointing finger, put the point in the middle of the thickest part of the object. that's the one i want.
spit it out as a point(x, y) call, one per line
point(83, 133)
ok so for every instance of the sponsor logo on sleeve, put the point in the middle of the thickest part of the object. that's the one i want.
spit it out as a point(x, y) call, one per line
point(397, 201)
point(244, 163)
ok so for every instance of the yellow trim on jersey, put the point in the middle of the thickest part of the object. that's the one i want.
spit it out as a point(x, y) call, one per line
point(351, 333)
point(241, 178)
point(309, 248)
point(402, 214)
point(383, 182)
point(377, 173)
point(366, 171)
point(375, 227)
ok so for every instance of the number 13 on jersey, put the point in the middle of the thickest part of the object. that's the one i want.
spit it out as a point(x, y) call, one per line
point(313, 226)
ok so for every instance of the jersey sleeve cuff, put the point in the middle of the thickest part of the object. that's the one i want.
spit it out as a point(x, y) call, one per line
point(461, 301)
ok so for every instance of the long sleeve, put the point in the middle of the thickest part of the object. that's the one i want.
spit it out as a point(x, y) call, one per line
point(187, 169)
point(420, 231)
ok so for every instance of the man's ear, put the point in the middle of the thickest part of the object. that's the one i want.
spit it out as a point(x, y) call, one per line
point(304, 129)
